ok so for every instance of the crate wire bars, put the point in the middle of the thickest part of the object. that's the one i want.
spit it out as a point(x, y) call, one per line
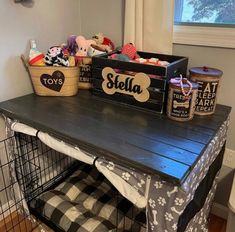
point(13, 210)
point(38, 168)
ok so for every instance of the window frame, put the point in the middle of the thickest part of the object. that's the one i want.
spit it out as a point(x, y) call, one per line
point(213, 36)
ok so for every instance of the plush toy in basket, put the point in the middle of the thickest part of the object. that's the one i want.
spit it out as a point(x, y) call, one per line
point(51, 80)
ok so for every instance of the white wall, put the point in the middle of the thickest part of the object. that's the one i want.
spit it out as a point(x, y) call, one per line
point(104, 16)
point(49, 22)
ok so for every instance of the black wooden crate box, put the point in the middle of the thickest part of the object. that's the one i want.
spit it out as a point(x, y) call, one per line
point(158, 84)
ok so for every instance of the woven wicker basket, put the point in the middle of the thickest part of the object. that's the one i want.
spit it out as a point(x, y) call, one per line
point(53, 81)
point(85, 73)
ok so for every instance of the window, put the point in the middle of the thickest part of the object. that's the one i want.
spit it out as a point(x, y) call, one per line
point(205, 22)
point(204, 11)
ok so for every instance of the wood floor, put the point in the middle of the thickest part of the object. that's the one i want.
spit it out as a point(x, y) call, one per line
point(16, 223)
point(216, 224)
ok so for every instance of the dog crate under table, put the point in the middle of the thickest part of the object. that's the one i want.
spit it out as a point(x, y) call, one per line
point(136, 145)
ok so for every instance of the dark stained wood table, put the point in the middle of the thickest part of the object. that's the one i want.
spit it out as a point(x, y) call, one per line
point(147, 141)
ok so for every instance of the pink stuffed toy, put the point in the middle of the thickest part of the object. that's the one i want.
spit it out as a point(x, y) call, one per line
point(128, 53)
point(83, 45)
point(129, 49)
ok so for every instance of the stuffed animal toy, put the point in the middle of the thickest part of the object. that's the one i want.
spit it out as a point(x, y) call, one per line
point(36, 57)
point(72, 45)
point(94, 50)
point(65, 50)
point(103, 42)
point(83, 45)
point(152, 61)
point(129, 49)
point(128, 53)
point(56, 57)
point(69, 53)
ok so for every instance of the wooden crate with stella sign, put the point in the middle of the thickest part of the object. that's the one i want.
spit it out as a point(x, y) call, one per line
point(140, 85)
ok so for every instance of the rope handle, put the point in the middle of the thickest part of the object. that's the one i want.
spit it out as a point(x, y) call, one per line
point(182, 81)
point(26, 64)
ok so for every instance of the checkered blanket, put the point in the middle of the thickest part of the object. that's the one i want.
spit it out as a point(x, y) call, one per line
point(87, 202)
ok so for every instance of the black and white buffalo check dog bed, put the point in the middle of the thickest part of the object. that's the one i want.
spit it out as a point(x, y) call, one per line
point(87, 202)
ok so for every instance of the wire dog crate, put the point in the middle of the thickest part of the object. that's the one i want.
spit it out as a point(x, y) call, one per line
point(13, 216)
point(63, 193)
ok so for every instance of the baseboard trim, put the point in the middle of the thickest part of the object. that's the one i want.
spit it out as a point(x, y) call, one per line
point(229, 158)
point(220, 210)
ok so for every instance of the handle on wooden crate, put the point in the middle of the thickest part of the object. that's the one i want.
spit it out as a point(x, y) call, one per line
point(177, 72)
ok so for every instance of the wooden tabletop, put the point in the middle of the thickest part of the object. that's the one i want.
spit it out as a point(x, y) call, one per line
point(149, 142)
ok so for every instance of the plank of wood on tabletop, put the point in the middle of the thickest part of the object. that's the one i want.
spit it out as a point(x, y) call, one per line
point(213, 121)
point(139, 121)
point(120, 135)
point(135, 134)
point(209, 122)
point(141, 112)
